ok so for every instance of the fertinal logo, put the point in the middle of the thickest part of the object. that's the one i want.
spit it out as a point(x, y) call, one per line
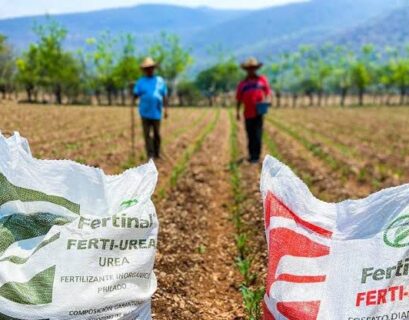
point(397, 233)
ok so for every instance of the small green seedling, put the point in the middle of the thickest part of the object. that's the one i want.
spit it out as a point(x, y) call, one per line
point(241, 243)
point(201, 249)
point(252, 300)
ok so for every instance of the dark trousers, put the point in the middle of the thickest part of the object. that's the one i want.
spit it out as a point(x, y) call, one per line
point(152, 143)
point(254, 128)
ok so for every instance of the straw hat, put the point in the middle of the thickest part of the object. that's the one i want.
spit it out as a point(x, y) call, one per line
point(251, 63)
point(148, 63)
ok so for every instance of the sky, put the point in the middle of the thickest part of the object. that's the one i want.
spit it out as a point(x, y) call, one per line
point(17, 8)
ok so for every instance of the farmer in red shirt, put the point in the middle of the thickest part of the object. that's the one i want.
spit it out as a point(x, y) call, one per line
point(252, 91)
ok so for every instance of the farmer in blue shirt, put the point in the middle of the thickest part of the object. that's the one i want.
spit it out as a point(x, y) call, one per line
point(152, 93)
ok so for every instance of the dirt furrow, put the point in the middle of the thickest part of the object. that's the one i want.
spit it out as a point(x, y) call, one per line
point(252, 208)
point(366, 166)
point(329, 184)
point(195, 261)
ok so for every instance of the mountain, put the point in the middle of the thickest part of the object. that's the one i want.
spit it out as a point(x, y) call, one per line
point(241, 33)
point(282, 28)
point(391, 29)
point(142, 20)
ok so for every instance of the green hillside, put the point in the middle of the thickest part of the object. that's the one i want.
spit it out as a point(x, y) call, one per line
point(241, 33)
point(391, 29)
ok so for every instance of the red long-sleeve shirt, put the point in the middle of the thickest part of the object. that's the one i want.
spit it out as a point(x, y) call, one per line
point(252, 91)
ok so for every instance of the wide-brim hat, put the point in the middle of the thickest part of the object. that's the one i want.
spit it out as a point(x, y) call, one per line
point(148, 63)
point(251, 63)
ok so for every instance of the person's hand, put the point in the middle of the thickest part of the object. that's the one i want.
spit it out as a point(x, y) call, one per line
point(238, 116)
point(166, 114)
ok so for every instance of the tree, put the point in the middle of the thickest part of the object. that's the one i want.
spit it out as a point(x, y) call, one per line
point(188, 93)
point(51, 58)
point(127, 69)
point(340, 79)
point(28, 71)
point(398, 67)
point(104, 60)
point(47, 66)
point(7, 66)
point(173, 59)
point(294, 76)
point(315, 71)
point(73, 75)
point(361, 71)
point(206, 82)
point(218, 79)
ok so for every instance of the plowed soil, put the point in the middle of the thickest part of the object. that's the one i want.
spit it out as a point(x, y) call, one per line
point(197, 278)
point(339, 153)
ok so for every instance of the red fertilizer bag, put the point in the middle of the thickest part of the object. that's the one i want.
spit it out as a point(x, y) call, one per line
point(334, 261)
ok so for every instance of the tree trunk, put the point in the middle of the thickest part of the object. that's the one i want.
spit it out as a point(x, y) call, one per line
point(380, 99)
point(58, 94)
point(278, 98)
point(402, 95)
point(181, 100)
point(361, 94)
point(115, 94)
point(98, 97)
point(311, 98)
point(123, 98)
point(174, 90)
point(210, 101)
point(344, 93)
point(327, 100)
point(29, 92)
point(130, 95)
point(319, 102)
point(109, 96)
point(295, 98)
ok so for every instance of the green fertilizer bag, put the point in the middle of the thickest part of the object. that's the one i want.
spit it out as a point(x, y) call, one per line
point(74, 243)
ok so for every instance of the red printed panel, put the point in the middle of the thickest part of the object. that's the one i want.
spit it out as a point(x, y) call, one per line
point(286, 242)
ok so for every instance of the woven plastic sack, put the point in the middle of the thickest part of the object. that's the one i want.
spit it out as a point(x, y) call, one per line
point(74, 243)
point(343, 261)
point(16, 139)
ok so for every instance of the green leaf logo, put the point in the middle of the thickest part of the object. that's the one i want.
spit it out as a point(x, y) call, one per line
point(129, 203)
point(397, 233)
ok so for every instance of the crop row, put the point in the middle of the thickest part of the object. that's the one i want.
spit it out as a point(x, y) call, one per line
point(251, 294)
point(183, 160)
point(380, 135)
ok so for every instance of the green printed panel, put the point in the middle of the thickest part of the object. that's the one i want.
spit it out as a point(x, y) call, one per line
point(10, 192)
point(37, 291)
point(19, 227)
point(19, 260)
point(4, 317)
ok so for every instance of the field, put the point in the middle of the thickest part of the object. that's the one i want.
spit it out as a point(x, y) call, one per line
point(212, 254)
